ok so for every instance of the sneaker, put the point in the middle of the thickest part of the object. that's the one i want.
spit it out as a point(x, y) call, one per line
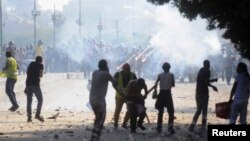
point(14, 108)
point(191, 128)
point(142, 127)
point(29, 119)
point(133, 131)
point(11, 108)
point(202, 129)
point(124, 126)
point(115, 126)
point(171, 130)
point(40, 118)
point(95, 137)
point(158, 129)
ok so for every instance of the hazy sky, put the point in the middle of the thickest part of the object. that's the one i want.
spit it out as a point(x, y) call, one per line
point(49, 4)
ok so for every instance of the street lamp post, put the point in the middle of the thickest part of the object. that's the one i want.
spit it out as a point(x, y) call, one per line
point(58, 21)
point(54, 19)
point(1, 27)
point(79, 21)
point(100, 28)
point(35, 13)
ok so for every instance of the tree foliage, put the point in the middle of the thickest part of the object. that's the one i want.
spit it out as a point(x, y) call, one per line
point(232, 16)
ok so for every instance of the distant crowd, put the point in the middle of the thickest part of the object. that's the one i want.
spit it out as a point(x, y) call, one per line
point(79, 56)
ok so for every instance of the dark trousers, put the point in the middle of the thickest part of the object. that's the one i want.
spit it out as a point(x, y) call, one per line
point(30, 90)
point(99, 109)
point(165, 99)
point(9, 89)
point(133, 114)
point(202, 105)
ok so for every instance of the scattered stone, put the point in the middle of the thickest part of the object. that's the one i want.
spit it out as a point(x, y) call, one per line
point(19, 113)
point(54, 116)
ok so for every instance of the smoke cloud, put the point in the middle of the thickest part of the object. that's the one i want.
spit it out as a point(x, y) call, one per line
point(180, 41)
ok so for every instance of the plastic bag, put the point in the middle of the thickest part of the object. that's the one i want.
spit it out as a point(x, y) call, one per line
point(154, 95)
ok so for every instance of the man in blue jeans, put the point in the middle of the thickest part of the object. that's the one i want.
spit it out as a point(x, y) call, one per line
point(240, 92)
point(34, 73)
point(10, 70)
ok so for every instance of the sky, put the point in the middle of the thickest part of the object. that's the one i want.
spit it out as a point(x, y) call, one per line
point(49, 4)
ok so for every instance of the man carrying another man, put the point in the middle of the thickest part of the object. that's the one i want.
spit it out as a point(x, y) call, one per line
point(122, 77)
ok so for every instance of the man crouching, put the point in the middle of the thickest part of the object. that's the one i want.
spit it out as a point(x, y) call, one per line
point(136, 103)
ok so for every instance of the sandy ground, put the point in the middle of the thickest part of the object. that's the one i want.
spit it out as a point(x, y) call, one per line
point(69, 98)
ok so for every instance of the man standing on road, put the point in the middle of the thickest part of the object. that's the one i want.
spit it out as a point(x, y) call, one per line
point(10, 70)
point(202, 95)
point(98, 91)
point(39, 49)
point(164, 99)
point(34, 73)
point(240, 92)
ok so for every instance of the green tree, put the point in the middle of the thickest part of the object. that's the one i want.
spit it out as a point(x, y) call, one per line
point(232, 16)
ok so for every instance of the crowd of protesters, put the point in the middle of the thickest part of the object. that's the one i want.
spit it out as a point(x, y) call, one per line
point(79, 56)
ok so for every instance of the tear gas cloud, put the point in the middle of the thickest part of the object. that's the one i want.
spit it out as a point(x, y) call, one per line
point(181, 42)
point(173, 38)
point(145, 35)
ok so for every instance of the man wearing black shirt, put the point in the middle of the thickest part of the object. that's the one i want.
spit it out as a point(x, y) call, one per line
point(202, 94)
point(34, 73)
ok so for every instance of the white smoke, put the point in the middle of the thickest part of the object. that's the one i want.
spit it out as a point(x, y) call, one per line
point(49, 4)
point(174, 38)
point(180, 41)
